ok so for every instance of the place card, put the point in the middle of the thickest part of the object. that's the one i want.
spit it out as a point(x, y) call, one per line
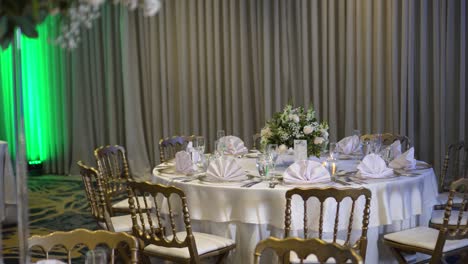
point(300, 150)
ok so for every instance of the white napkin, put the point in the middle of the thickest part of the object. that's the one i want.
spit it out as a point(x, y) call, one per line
point(225, 169)
point(373, 166)
point(183, 162)
point(50, 261)
point(348, 145)
point(234, 145)
point(306, 171)
point(395, 149)
point(404, 161)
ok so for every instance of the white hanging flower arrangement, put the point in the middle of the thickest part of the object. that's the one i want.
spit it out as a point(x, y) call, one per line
point(82, 13)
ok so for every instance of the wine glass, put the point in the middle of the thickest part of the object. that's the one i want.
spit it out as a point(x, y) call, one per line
point(98, 255)
point(199, 146)
point(263, 164)
point(357, 132)
point(272, 152)
point(377, 143)
point(221, 144)
point(333, 154)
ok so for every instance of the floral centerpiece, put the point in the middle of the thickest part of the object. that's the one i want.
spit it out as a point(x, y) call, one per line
point(296, 124)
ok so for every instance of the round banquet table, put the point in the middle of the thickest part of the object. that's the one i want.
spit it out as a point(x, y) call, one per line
point(248, 215)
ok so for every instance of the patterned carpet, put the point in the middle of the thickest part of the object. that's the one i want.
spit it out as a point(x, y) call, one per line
point(56, 203)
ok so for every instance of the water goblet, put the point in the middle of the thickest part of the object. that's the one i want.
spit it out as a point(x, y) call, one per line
point(377, 143)
point(332, 152)
point(263, 164)
point(220, 134)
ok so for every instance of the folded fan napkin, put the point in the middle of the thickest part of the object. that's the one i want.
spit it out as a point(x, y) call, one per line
point(395, 149)
point(349, 145)
point(404, 161)
point(225, 169)
point(234, 145)
point(373, 166)
point(306, 171)
point(183, 162)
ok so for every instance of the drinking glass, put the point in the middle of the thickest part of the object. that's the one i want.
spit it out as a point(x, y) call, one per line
point(377, 143)
point(333, 154)
point(220, 134)
point(263, 164)
point(199, 145)
point(96, 256)
point(357, 132)
point(272, 151)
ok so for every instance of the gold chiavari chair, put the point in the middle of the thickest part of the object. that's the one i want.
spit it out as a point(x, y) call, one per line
point(455, 167)
point(450, 239)
point(304, 247)
point(114, 171)
point(168, 147)
point(389, 138)
point(99, 204)
point(160, 235)
point(74, 239)
point(338, 195)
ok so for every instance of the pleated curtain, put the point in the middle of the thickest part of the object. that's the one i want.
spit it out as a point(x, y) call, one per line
point(198, 66)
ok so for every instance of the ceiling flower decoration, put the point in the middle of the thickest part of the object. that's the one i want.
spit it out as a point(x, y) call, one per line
point(76, 15)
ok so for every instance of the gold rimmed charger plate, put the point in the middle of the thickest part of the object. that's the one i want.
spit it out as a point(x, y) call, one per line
point(207, 180)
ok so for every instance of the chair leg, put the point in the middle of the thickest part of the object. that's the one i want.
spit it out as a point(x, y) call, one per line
point(222, 258)
point(398, 255)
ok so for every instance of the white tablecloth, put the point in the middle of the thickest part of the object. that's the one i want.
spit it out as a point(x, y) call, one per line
point(7, 181)
point(248, 215)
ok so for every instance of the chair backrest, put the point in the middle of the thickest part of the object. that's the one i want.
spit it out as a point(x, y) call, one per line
point(95, 194)
point(323, 194)
point(455, 165)
point(460, 229)
point(91, 239)
point(389, 138)
point(168, 147)
point(113, 169)
point(304, 247)
point(147, 223)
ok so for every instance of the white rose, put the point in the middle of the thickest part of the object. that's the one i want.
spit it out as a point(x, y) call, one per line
point(295, 118)
point(308, 129)
point(283, 148)
point(318, 140)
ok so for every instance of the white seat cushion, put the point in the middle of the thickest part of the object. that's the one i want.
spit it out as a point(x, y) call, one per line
point(123, 204)
point(123, 223)
point(205, 243)
point(443, 197)
point(424, 237)
point(438, 217)
point(312, 258)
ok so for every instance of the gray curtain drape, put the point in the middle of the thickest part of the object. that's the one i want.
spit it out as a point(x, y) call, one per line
point(379, 66)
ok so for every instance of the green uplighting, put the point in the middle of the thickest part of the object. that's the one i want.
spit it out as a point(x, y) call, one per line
point(7, 114)
point(35, 162)
point(42, 84)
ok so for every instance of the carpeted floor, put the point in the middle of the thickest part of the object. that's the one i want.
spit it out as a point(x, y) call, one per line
point(56, 203)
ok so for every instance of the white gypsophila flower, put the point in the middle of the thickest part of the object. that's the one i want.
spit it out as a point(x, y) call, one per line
point(319, 140)
point(308, 129)
point(130, 4)
point(265, 132)
point(151, 7)
point(80, 15)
